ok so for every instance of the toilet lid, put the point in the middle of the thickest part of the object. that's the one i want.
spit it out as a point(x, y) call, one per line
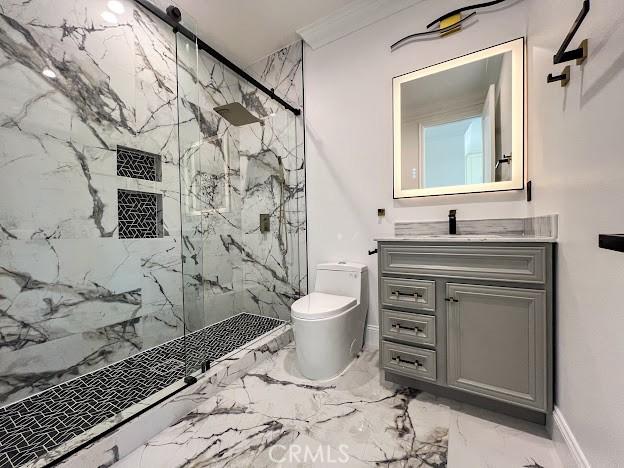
point(320, 305)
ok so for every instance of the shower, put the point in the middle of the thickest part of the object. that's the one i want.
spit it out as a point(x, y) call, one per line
point(236, 114)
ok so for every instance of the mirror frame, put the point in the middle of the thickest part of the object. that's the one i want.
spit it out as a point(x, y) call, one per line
point(518, 73)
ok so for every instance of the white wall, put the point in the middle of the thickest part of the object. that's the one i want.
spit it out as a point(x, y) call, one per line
point(575, 161)
point(348, 87)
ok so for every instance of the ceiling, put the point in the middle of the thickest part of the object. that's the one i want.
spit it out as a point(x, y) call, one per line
point(462, 84)
point(247, 30)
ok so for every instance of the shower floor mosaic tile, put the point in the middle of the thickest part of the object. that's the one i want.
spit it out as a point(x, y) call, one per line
point(32, 427)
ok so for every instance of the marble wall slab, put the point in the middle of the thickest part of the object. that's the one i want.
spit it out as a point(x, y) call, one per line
point(252, 170)
point(540, 226)
point(73, 296)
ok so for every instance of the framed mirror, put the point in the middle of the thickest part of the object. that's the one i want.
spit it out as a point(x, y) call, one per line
point(459, 125)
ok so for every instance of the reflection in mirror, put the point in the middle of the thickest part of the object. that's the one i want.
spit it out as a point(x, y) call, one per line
point(455, 123)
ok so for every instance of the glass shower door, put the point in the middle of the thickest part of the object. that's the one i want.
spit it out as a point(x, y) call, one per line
point(242, 209)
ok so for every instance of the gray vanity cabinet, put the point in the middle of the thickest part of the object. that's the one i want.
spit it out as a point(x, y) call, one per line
point(496, 342)
point(471, 321)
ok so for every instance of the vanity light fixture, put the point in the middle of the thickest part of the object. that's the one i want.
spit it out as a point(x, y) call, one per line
point(446, 24)
point(116, 7)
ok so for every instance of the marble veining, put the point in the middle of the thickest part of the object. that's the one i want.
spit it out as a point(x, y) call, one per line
point(74, 294)
point(542, 228)
point(272, 416)
point(258, 420)
point(131, 435)
point(40, 424)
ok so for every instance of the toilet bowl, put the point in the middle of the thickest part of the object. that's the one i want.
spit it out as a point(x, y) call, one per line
point(329, 323)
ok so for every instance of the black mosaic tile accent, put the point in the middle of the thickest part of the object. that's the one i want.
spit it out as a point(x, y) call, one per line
point(32, 427)
point(139, 214)
point(138, 164)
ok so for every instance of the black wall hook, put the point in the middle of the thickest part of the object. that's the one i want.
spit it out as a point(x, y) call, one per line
point(564, 78)
point(372, 252)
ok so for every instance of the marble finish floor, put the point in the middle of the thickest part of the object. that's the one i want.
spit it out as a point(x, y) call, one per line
point(274, 417)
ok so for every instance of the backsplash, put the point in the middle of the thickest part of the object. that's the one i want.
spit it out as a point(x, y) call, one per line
point(541, 226)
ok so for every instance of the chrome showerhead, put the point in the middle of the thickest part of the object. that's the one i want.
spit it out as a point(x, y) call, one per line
point(236, 114)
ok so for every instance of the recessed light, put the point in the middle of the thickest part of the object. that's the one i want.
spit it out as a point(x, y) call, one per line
point(109, 17)
point(49, 73)
point(116, 7)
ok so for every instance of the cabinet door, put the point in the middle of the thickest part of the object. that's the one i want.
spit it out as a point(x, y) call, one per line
point(497, 340)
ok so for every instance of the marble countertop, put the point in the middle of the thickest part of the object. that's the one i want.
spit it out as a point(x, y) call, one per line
point(467, 238)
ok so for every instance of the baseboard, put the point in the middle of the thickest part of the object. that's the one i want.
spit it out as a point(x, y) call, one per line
point(568, 449)
point(371, 341)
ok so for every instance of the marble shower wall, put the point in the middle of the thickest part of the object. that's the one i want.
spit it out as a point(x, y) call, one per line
point(73, 296)
point(248, 171)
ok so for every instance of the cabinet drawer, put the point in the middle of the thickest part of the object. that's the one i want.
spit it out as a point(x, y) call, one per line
point(408, 361)
point(525, 264)
point(413, 328)
point(408, 294)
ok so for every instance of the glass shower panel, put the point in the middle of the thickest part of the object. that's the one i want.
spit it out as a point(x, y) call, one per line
point(241, 206)
point(269, 187)
point(190, 139)
point(218, 200)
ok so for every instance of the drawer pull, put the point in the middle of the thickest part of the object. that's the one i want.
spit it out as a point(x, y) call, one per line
point(405, 363)
point(398, 295)
point(415, 330)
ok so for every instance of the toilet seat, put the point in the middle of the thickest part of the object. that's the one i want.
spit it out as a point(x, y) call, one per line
point(316, 306)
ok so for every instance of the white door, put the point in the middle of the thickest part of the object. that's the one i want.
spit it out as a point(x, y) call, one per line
point(489, 135)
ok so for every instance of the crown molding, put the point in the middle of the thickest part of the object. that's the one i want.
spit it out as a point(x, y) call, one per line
point(352, 17)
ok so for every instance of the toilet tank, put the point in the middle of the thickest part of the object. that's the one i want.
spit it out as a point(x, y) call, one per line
point(342, 279)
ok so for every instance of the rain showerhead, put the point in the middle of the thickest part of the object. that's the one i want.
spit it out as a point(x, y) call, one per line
point(236, 114)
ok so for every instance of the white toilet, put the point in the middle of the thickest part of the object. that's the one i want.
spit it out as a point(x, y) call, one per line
point(329, 323)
